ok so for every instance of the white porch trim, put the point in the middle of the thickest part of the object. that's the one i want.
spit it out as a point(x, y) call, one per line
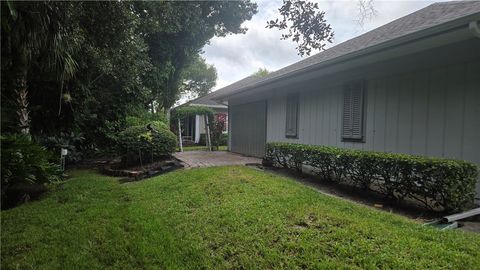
point(197, 128)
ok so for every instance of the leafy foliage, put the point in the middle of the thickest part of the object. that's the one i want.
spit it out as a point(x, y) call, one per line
point(33, 36)
point(139, 144)
point(198, 79)
point(221, 140)
point(186, 111)
point(73, 142)
point(434, 182)
point(261, 72)
point(306, 25)
point(25, 163)
point(177, 31)
point(82, 66)
point(217, 128)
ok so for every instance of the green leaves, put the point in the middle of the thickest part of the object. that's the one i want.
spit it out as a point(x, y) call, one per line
point(139, 144)
point(107, 57)
point(434, 182)
point(24, 162)
point(198, 78)
point(186, 111)
point(306, 25)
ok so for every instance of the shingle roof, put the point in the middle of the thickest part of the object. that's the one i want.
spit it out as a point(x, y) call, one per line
point(205, 100)
point(237, 85)
point(208, 99)
point(433, 15)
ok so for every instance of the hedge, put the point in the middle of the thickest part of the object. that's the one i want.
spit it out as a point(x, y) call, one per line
point(435, 182)
point(138, 144)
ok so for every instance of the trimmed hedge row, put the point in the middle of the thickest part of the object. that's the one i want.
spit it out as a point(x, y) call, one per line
point(435, 182)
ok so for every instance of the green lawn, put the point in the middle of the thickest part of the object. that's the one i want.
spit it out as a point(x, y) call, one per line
point(201, 147)
point(224, 218)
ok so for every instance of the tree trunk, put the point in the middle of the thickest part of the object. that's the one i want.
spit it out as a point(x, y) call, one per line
point(19, 85)
point(22, 103)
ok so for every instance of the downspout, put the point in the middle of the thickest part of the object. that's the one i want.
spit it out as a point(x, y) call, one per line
point(474, 28)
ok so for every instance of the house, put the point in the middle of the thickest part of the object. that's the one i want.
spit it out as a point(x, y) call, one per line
point(410, 86)
point(195, 125)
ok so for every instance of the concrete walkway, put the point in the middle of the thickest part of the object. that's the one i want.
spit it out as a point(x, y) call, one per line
point(196, 159)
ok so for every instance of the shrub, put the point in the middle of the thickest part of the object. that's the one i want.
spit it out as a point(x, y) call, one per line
point(25, 165)
point(203, 139)
point(435, 182)
point(139, 144)
point(223, 140)
point(73, 142)
point(132, 121)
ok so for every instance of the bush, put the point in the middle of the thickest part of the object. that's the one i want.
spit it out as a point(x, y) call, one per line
point(25, 165)
point(139, 144)
point(73, 142)
point(203, 139)
point(223, 140)
point(435, 182)
point(132, 121)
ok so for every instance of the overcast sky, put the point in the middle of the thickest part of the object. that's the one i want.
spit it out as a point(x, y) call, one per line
point(238, 56)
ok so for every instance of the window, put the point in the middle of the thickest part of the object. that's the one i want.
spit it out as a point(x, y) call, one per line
point(291, 129)
point(353, 111)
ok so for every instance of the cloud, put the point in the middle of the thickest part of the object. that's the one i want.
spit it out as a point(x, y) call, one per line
point(238, 56)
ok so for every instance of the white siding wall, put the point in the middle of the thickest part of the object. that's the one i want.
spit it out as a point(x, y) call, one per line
point(433, 112)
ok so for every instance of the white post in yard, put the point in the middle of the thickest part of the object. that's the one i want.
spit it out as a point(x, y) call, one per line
point(180, 135)
point(209, 143)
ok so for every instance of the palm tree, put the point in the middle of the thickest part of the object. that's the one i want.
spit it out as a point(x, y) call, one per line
point(28, 29)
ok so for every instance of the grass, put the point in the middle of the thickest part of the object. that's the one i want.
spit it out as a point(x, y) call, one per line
point(223, 218)
point(200, 148)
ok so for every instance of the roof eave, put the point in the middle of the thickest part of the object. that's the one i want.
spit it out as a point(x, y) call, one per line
point(448, 26)
point(211, 106)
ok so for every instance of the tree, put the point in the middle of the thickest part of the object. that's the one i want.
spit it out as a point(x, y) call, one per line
point(366, 11)
point(27, 35)
point(261, 72)
point(198, 78)
point(87, 66)
point(306, 24)
point(181, 34)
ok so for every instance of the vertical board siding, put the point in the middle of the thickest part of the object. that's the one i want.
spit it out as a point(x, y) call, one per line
point(436, 107)
point(434, 112)
point(471, 119)
point(404, 114)
point(248, 122)
point(454, 111)
point(419, 114)
point(379, 116)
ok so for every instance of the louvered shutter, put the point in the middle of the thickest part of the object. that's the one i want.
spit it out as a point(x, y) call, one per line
point(291, 127)
point(353, 111)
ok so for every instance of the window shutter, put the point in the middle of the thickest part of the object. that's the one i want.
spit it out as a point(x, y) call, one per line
point(291, 127)
point(347, 113)
point(353, 111)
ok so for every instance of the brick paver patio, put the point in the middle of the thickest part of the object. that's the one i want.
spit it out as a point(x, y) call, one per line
point(216, 158)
